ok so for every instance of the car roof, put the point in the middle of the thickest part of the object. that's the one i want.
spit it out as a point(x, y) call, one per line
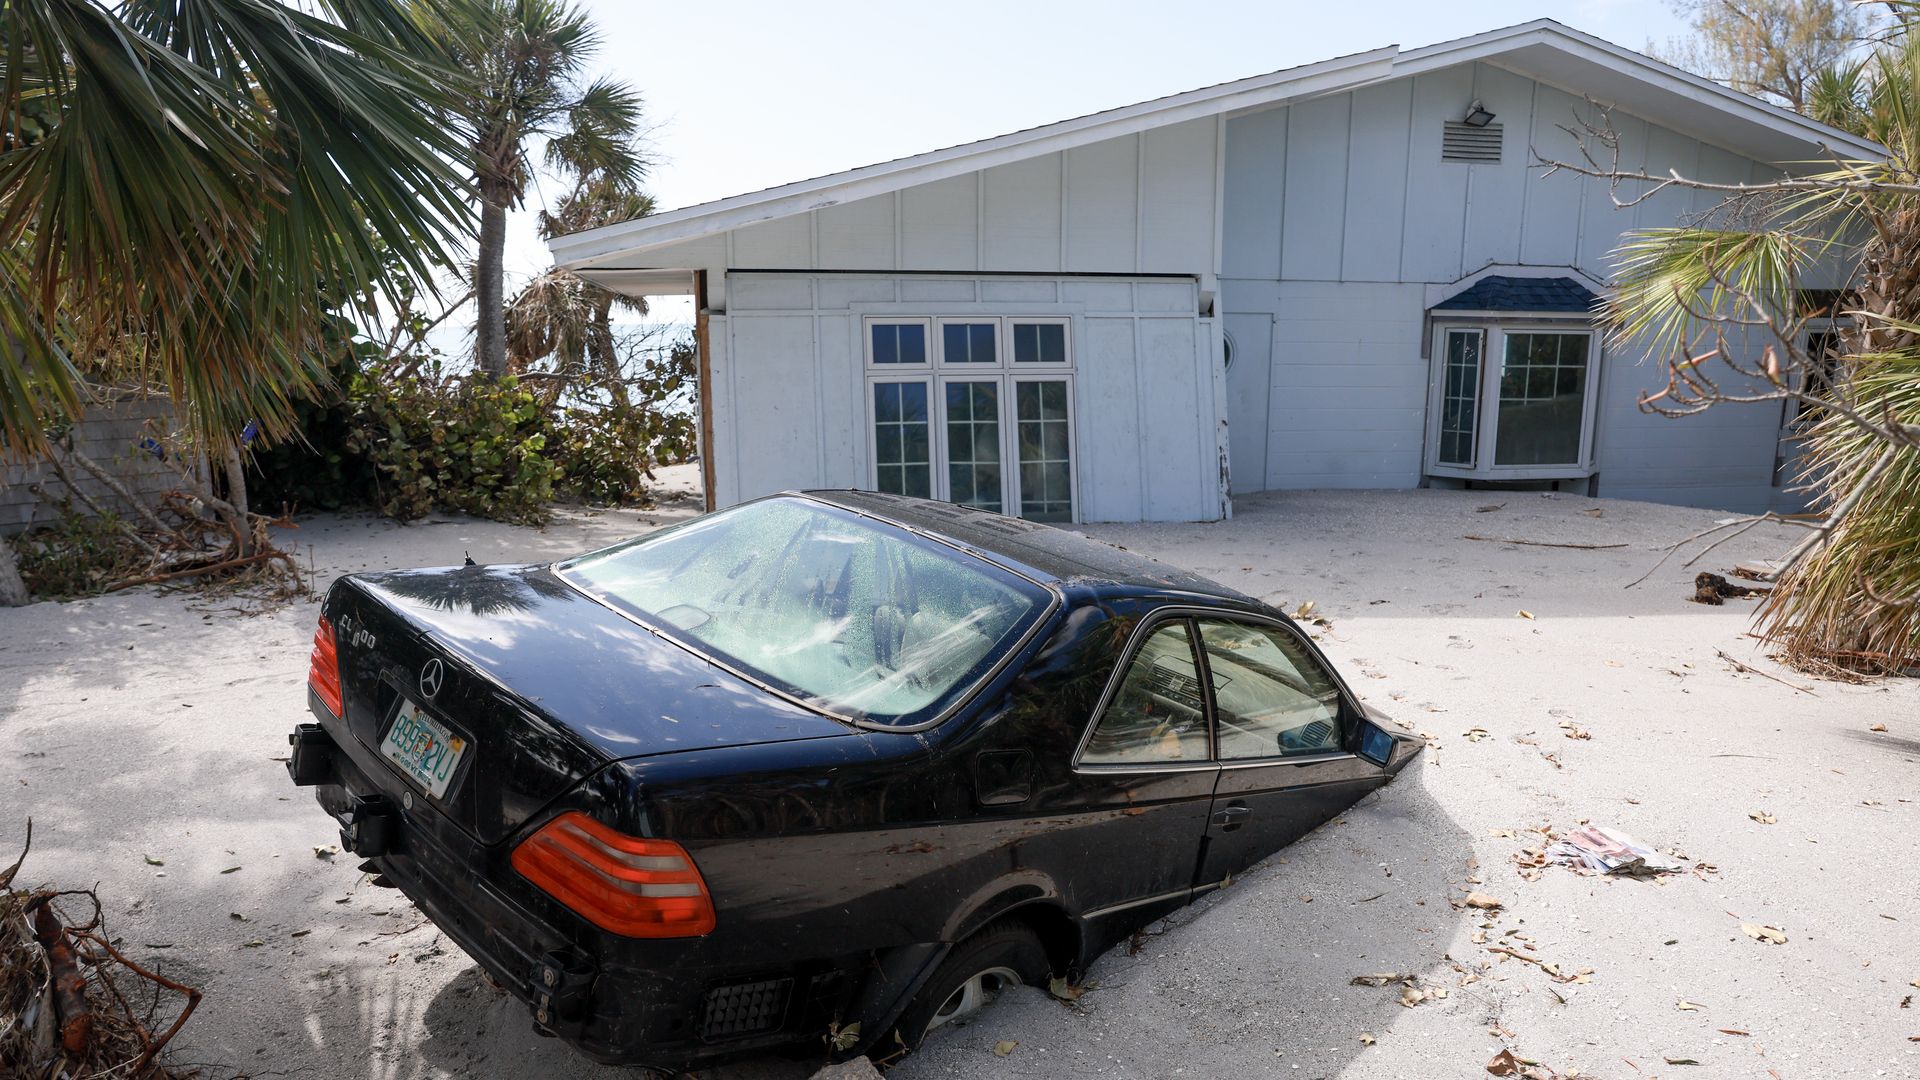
point(1042, 551)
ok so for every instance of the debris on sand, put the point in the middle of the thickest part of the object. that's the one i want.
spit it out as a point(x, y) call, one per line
point(1605, 851)
point(63, 995)
point(1709, 588)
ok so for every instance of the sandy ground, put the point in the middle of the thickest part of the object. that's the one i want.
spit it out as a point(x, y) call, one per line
point(144, 726)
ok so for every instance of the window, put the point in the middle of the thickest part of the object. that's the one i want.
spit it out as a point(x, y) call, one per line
point(899, 342)
point(1543, 396)
point(1271, 696)
point(968, 343)
point(1512, 400)
point(855, 617)
point(900, 439)
point(987, 423)
point(973, 444)
point(1046, 468)
point(1460, 398)
point(1158, 715)
point(1039, 343)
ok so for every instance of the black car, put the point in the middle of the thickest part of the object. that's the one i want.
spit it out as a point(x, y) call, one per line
point(828, 764)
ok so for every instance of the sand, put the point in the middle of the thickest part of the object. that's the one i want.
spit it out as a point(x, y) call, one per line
point(145, 725)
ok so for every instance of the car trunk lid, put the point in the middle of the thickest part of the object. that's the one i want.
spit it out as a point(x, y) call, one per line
point(542, 684)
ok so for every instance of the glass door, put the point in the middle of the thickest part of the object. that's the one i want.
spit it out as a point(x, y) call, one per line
point(1045, 442)
point(973, 436)
point(903, 463)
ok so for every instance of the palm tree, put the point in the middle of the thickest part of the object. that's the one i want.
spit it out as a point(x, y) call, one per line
point(527, 57)
point(187, 187)
point(1850, 591)
point(561, 314)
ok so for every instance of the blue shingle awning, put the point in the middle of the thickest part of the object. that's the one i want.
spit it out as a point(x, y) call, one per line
point(1497, 293)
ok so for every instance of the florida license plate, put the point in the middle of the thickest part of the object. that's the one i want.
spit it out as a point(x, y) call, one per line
point(423, 748)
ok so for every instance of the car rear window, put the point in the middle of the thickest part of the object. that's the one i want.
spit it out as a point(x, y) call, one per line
point(853, 616)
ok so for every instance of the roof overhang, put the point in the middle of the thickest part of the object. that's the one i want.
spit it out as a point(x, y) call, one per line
point(642, 282)
point(1544, 50)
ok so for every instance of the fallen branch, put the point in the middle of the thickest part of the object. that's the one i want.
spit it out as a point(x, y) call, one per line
point(1750, 670)
point(229, 564)
point(67, 970)
point(192, 995)
point(75, 1019)
point(1540, 543)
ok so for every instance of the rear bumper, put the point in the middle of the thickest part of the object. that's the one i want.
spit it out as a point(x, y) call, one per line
point(619, 1001)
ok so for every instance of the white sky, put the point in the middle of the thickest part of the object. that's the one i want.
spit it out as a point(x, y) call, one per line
point(746, 94)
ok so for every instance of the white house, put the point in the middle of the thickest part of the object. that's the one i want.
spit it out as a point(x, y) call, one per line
point(1345, 275)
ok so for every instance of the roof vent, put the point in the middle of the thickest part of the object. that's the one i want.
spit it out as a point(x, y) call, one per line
point(1474, 145)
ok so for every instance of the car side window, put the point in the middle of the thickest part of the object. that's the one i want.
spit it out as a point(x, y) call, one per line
point(1272, 697)
point(1159, 714)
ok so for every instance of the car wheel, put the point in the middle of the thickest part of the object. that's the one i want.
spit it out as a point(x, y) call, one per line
point(1000, 956)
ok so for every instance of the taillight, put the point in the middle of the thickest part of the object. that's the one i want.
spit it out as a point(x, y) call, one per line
point(323, 667)
point(629, 885)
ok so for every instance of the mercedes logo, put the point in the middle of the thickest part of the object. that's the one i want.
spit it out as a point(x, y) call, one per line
point(430, 678)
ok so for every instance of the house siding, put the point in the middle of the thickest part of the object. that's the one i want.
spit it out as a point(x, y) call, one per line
point(789, 383)
point(1314, 234)
point(1340, 212)
point(1139, 204)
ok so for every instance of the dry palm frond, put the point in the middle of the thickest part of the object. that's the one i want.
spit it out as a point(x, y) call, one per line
point(1855, 602)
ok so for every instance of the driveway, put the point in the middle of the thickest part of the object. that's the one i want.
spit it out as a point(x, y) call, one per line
point(142, 728)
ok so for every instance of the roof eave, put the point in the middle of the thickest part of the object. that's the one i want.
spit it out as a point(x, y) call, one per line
point(611, 243)
point(595, 247)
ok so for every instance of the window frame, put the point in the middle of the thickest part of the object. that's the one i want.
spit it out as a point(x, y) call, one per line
point(937, 343)
point(866, 342)
point(1351, 712)
point(1010, 452)
point(1494, 331)
point(937, 372)
point(1011, 322)
point(913, 374)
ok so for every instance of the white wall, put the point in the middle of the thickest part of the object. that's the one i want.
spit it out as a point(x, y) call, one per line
point(1339, 210)
point(1140, 204)
point(789, 391)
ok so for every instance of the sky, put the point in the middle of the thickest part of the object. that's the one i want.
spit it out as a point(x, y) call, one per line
point(746, 94)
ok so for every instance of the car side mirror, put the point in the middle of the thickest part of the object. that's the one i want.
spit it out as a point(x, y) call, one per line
point(1375, 744)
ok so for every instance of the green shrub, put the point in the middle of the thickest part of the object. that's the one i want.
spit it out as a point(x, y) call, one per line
point(474, 445)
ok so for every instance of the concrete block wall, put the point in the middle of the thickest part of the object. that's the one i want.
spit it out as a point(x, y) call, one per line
point(110, 435)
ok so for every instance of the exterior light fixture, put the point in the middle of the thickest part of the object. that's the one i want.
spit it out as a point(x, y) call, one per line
point(1477, 115)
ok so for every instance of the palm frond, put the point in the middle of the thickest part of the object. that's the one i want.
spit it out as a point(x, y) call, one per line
point(217, 173)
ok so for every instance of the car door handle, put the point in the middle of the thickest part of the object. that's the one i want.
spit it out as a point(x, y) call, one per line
point(1232, 817)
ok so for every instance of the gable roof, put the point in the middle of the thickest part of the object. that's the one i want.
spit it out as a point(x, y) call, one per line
point(1544, 50)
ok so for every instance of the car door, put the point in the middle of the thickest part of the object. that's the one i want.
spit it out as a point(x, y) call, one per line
point(1144, 778)
point(1284, 730)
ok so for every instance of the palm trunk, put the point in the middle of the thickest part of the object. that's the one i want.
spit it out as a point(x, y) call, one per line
point(490, 333)
point(13, 590)
point(237, 497)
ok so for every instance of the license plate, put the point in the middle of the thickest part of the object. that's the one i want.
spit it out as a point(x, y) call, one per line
point(423, 748)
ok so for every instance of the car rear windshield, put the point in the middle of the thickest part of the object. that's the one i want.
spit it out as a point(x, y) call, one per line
point(853, 616)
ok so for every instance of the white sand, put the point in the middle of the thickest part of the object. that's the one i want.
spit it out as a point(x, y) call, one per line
point(146, 724)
